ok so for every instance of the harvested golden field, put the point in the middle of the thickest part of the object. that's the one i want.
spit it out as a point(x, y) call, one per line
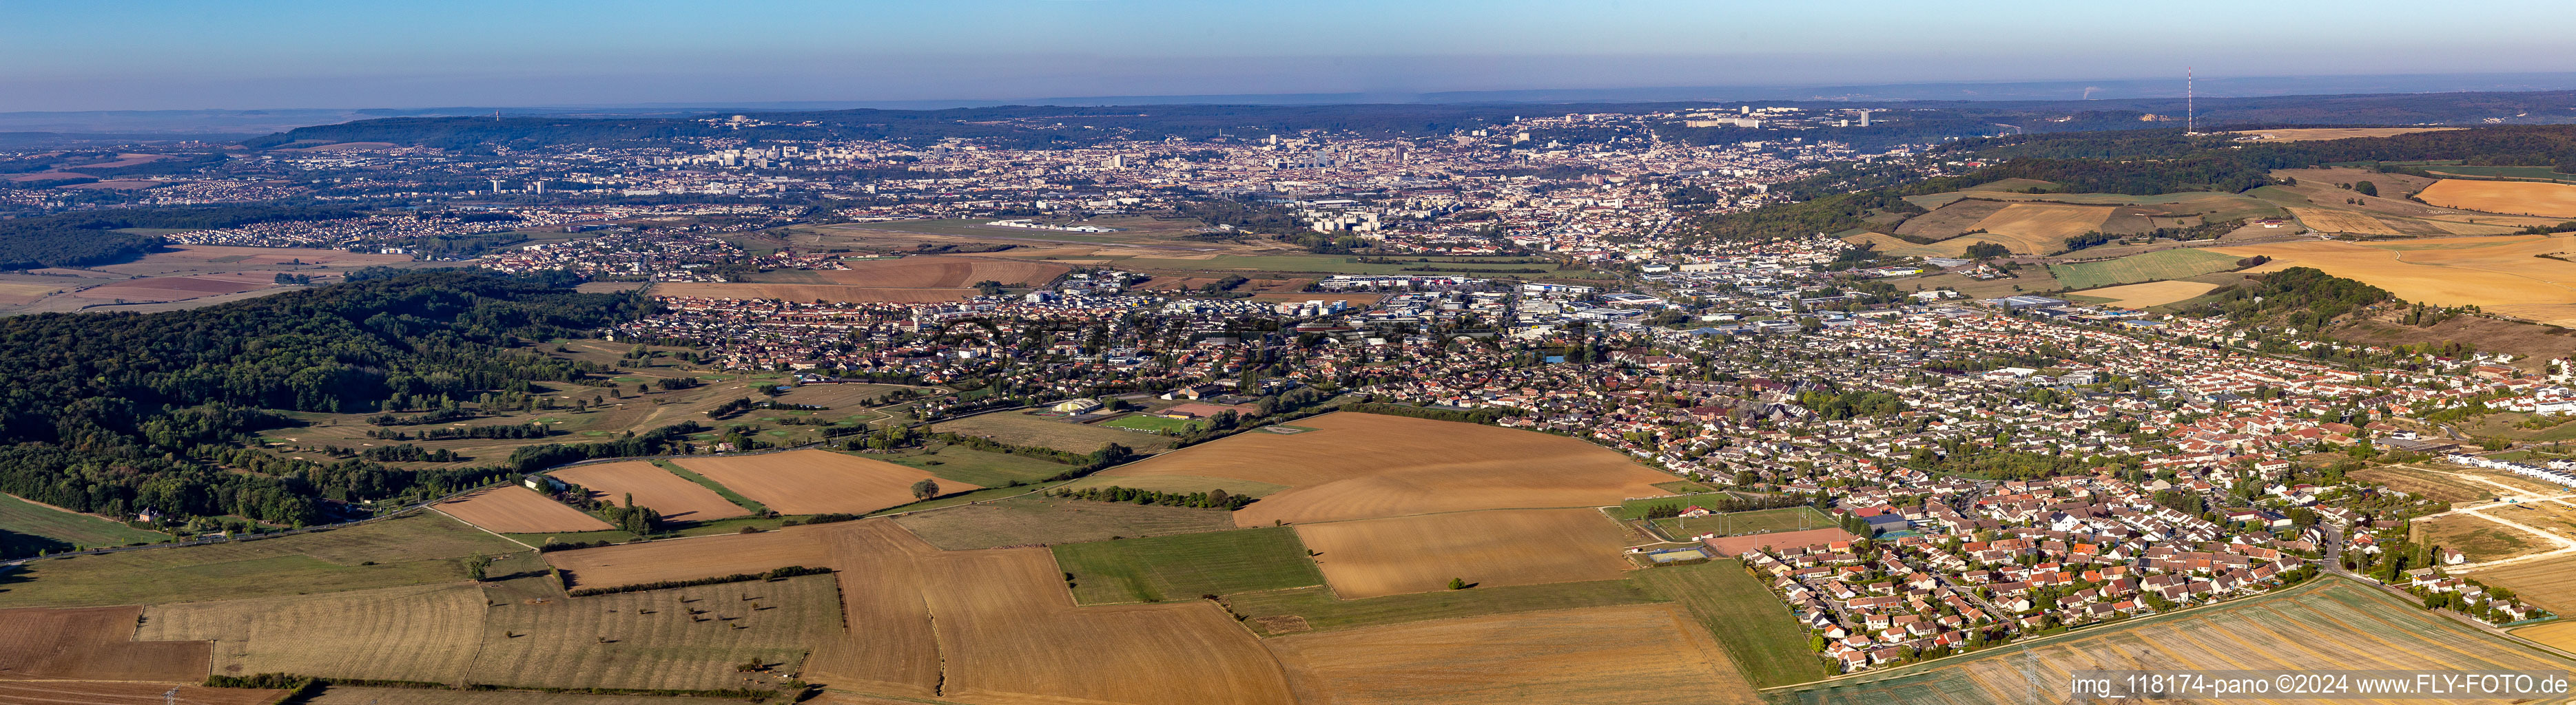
point(2500, 274)
point(932, 272)
point(518, 510)
point(1398, 555)
point(682, 639)
point(2330, 623)
point(1360, 466)
point(2425, 483)
point(690, 558)
point(417, 633)
point(57, 692)
point(2148, 294)
point(16, 293)
point(817, 481)
point(676, 498)
point(2481, 539)
point(2561, 634)
point(92, 643)
point(2513, 197)
point(2549, 583)
point(2341, 221)
point(2037, 228)
point(2303, 134)
point(1007, 625)
point(1627, 655)
point(346, 695)
point(888, 647)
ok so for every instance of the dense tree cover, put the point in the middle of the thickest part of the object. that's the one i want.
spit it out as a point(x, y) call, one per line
point(118, 412)
point(1978, 459)
point(90, 237)
point(1846, 405)
point(2299, 297)
point(668, 439)
point(1212, 499)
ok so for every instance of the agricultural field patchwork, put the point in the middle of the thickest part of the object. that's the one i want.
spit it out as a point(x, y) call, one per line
point(1423, 553)
point(1755, 629)
point(1024, 429)
point(2553, 200)
point(1627, 654)
point(1045, 521)
point(2148, 294)
point(1185, 566)
point(512, 509)
point(649, 485)
point(2160, 265)
point(408, 550)
point(2278, 631)
point(414, 633)
point(95, 643)
point(817, 481)
point(1356, 466)
point(2500, 274)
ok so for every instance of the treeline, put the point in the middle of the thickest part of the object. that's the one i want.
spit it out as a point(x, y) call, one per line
point(439, 416)
point(658, 441)
point(509, 431)
point(1211, 499)
point(2203, 231)
point(408, 453)
point(623, 515)
point(1726, 504)
point(1971, 457)
point(91, 237)
point(773, 574)
point(1847, 405)
point(1479, 416)
point(111, 413)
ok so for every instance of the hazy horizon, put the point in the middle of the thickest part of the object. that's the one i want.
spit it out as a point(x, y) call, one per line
point(276, 54)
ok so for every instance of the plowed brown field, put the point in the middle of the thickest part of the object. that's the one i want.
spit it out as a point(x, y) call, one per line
point(816, 481)
point(1360, 466)
point(676, 498)
point(1627, 655)
point(58, 692)
point(92, 643)
point(689, 559)
point(519, 510)
point(1397, 555)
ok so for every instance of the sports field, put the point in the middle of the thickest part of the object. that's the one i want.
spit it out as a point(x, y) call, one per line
point(1625, 655)
point(817, 481)
point(409, 550)
point(1752, 522)
point(27, 527)
point(2369, 630)
point(2159, 265)
point(1358, 466)
point(1185, 566)
point(2502, 274)
point(649, 485)
point(512, 509)
point(1422, 553)
point(2553, 200)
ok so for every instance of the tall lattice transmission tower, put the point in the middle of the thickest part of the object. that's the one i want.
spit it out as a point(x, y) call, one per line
point(2190, 111)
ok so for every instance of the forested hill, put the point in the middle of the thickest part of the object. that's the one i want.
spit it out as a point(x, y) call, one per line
point(115, 412)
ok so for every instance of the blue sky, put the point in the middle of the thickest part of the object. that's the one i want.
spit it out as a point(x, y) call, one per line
point(285, 53)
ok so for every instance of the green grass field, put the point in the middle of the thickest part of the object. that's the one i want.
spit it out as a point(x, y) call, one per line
point(1758, 521)
point(1756, 629)
point(1186, 566)
point(415, 549)
point(2160, 265)
point(977, 467)
point(26, 528)
point(1151, 423)
point(1047, 521)
point(1323, 612)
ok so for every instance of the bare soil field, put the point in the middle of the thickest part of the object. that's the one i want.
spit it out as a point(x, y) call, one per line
point(1409, 554)
point(14, 293)
point(1023, 429)
point(2341, 221)
point(1737, 545)
point(816, 481)
point(1629, 654)
point(95, 643)
point(2442, 488)
point(1950, 220)
point(2500, 274)
point(2481, 539)
point(157, 289)
point(57, 692)
point(649, 485)
point(2303, 134)
point(1358, 466)
point(2514, 197)
point(415, 633)
point(2149, 294)
point(691, 558)
point(518, 510)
